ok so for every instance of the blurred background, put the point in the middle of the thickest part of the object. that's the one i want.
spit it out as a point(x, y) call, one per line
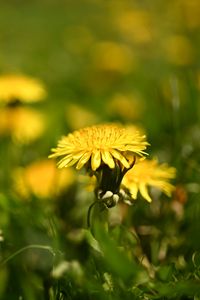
point(68, 64)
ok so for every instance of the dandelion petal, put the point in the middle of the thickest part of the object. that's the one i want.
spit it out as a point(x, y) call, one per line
point(108, 159)
point(144, 192)
point(64, 162)
point(134, 190)
point(96, 159)
point(120, 157)
point(83, 160)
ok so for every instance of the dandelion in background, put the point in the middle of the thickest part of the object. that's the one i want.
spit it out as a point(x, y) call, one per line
point(24, 125)
point(78, 116)
point(108, 56)
point(135, 25)
point(20, 88)
point(125, 107)
point(41, 179)
point(107, 151)
point(148, 173)
point(178, 50)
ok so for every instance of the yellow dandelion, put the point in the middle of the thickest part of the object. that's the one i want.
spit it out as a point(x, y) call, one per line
point(22, 124)
point(179, 50)
point(21, 88)
point(41, 179)
point(109, 56)
point(191, 12)
point(136, 25)
point(78, 117)
point(148, 173)
point(107, 144)
point(126, 107)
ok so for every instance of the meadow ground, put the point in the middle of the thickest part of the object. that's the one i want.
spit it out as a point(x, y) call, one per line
point(134, 67)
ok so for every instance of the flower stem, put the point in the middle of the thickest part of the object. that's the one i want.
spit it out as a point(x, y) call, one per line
point(48, 248)
point(97, 213)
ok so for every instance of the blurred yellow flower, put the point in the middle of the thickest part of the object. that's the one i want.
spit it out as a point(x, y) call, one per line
point(23, 124)
point(191, 13)
point(149, 173)
point(78, 117)
point(21, 88)
point(179, 50)
point(136, 25)
point(42, 179)
point(126, 107)
point(113, 57)
point(108, 144)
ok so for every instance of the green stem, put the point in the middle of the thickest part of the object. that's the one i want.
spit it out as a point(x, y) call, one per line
point(89, 214)
point(48, 248)
point(97, 214)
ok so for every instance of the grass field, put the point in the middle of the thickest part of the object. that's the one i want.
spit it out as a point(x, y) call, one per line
point(67, 65)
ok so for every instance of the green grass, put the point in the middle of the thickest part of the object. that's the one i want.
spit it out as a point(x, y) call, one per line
point(46, 250)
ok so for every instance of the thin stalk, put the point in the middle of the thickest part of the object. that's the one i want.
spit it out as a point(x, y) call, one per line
point(48, 248)
point(89, 214)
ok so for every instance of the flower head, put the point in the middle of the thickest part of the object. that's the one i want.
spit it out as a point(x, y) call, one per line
point(42, 179)
point(22, 88)
point(113, 57)
point(108, 144)
point(135, 25)
point(179, 50)
point(149, 173)
point(78, 116)
point(125, 107)
point(107, 151)
point(24, 125)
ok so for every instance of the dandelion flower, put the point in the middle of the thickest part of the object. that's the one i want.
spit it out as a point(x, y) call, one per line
point(148, 173)
point(21, 88)
point(136, 25)
point(78, 117)
point(101, 144)
point(42, 179)
point(191, 11)
point(125, 107)
point(22, 124)
point(179, 50)
point(113, 57)
point(107, 151)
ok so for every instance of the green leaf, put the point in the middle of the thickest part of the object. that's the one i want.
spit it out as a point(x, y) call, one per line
point(115, 257)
